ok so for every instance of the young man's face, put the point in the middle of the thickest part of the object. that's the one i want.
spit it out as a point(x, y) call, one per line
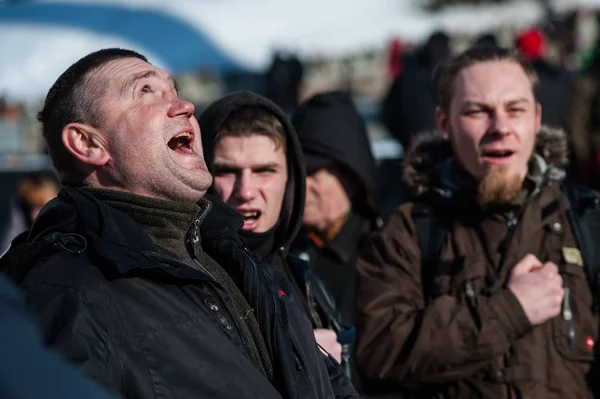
point(151, 134)
point(251, 176)
point(493, 120)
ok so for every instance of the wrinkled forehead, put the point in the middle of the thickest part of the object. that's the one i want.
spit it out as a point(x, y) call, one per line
point(117, 73)
point(493, 82)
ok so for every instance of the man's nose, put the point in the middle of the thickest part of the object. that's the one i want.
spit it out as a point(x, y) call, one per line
point(245, 188)
point(500, 124)
point(180, 107)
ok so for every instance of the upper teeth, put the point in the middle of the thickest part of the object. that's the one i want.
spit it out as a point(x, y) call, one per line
point(182, 135)
point(250, 214)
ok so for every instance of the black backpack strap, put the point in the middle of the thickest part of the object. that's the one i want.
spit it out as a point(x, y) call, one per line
point(431, 228)
point(584, 214)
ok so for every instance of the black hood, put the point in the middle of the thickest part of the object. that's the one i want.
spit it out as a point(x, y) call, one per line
point(329, 126)
point(211, 121)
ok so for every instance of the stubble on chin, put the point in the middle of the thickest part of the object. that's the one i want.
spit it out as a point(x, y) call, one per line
point(498, 187)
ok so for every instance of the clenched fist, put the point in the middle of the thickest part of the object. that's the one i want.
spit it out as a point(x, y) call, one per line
point(538, 288)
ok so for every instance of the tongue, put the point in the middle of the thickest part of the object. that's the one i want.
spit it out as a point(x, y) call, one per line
point(178, 143)
point(175, 143)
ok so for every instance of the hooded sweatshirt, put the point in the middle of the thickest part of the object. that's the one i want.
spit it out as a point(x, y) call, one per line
point(290, 221)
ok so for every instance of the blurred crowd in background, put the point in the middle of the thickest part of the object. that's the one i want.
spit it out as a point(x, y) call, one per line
point(393, 86)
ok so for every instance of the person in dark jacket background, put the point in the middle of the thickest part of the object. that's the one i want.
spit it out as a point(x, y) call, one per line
point(138, 277)
point(34, 190)
point(341, 207)
point(283, 80)
point(27, 369)
point(409, 106)
point(554, 80)
point(583, 123)
point(254, 154)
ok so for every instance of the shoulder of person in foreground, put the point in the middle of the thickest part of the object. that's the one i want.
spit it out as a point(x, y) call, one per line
point(74, 313)
point(27, 369)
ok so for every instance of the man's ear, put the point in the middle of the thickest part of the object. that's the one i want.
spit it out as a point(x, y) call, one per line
point(85, 143)
point(442, 123)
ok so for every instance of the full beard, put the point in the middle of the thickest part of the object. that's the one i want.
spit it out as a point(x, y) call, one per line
point(498, 187)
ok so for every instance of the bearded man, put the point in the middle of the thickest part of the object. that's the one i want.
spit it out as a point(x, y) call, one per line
point(501, 308)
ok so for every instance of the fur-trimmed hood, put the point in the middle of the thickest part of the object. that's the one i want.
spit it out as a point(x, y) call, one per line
point(427, 162)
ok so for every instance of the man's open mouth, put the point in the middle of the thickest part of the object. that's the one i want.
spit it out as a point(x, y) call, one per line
point(182, 143)
point(250, 218)
point(497, 154)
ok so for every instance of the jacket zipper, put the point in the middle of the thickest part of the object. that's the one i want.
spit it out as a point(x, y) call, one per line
point(255, 283)
point(296, 354)
point(244, 339)
point(196, 247)
point(297, 359)
point(568, 317)
point(512, 226)
point(311, 306)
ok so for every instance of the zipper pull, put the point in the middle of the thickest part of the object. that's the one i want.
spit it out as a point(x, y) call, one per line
point(195, 238)
point(469, 291)
point(568, 316)
point(299, 365)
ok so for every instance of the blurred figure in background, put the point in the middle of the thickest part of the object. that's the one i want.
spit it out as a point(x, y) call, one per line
point(283, 80)
point(409, 106)
point(395, 62)
point(34, 190)
point(532, 44)
point(486, 40)
point(340, 204)
point(584, 124)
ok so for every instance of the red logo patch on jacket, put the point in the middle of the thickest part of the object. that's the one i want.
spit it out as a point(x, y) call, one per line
point(589, 343)
point(281, 293)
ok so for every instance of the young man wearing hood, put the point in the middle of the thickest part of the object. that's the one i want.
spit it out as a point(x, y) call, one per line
point(134, 273)
point(493, 301)
point(340, 207)
point(254, 155)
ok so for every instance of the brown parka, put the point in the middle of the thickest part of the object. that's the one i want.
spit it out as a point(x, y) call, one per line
point(473, 340)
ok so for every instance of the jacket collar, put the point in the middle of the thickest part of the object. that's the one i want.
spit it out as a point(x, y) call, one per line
point(344, 244)
point(115, 239)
